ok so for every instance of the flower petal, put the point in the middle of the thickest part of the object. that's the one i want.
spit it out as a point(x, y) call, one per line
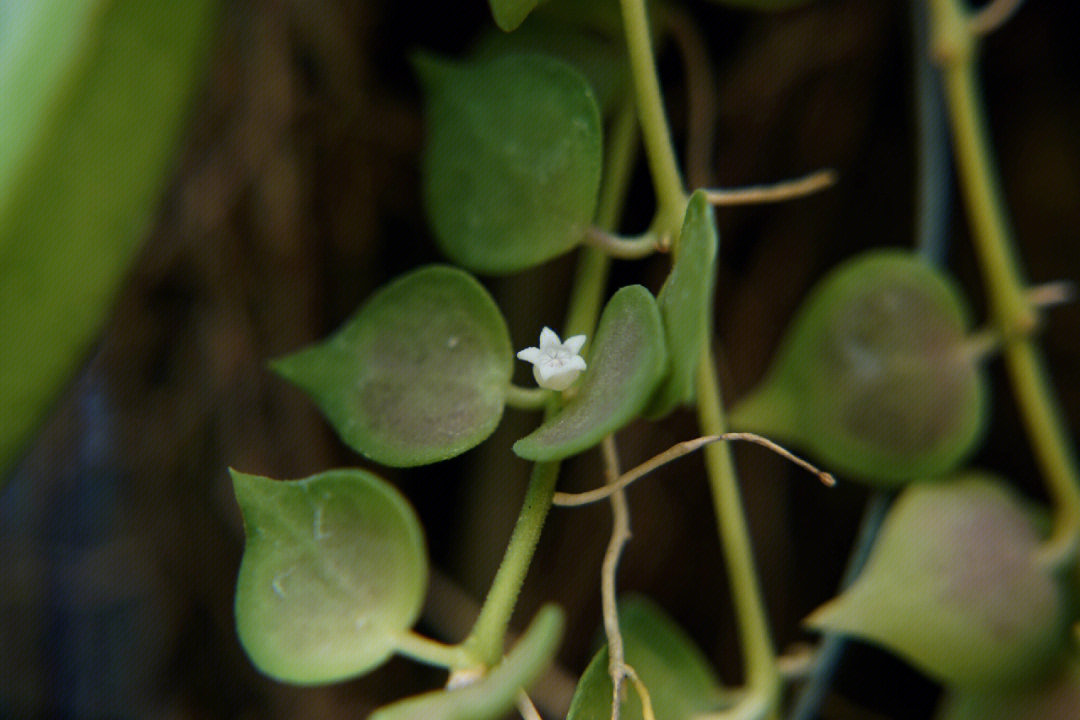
point(575, 363)
point(531, 354)
point(574, 344)
point(548, 338)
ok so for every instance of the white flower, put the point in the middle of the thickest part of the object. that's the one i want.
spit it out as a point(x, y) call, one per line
point(556, 364)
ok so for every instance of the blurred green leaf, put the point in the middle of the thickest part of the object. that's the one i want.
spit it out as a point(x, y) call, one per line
point(875, 375)
point(680, 681)
point(333, 571)
point(494, 694)
point(627, 360)
point(685, 303)
point(419, 374)
point(509, 14)
point(1055, 697)
point(512, 163)
point(954, 585)
point(102, 91)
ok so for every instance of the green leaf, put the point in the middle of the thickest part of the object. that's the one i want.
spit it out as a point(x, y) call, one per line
point(419, 374)
point(1056, 697)
point(601, 59)
point(334, 570)
point(512, 163)
point(875, 375)
point(685, 303)
point(494, 694)
point(626, 362)
point(954, 585)
point(95, 98)
point(509, 14)
point(680, 681)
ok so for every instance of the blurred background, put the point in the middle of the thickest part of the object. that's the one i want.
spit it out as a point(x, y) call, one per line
point(294, 193)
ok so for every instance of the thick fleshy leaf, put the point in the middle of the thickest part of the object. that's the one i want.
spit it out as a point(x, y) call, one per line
point(875, 375)
point(626, 362)
point(94, 100)
point(1056, 697)
point(494, 694)
point(512, 163)
point(419, 374)
point(333, 572)
point(685, 303)
point(680, 681)
point(955, 587)
point(601, 59)
point(509, 14)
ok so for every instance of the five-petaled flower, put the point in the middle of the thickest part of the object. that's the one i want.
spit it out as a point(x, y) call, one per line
point(556, 364)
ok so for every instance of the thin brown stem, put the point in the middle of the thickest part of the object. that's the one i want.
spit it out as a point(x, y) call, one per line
point(677, 451)
point(777, 192)
point(993, 15)
point(620, 534)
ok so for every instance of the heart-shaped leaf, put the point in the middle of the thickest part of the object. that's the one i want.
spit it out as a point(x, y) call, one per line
point(627, 360)
point(509, 14)
point(875, 375)
point(494, 694)
point(680, 681)
point(685, 303)
point(419, 374)
point(94, 101)
point(1056, 697)
point(513, 157)
point(954, 586)
point(334, 570)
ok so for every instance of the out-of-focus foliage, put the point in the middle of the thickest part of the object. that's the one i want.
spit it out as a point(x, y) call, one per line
point(95, 96)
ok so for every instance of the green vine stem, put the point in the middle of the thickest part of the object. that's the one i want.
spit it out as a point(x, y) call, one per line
point(670, 198)
point(432, 652)
point(763, 675)
point(763, 680)
point(762, 672)
point(954, 46)
point(486, 640)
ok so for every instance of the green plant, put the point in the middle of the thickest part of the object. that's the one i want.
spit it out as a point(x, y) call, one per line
point(96, 94)
point(879, 377)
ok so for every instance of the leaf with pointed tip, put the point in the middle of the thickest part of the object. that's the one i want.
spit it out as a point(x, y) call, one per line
point(494, 694)
point(685, 303)
point(333, 571)
point(512, 162)
point(627, 360)
point(875, 375)
point(1055, 697)
point(954, 585)
point(680, 681)
point(509, 14)
point(419, 374)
